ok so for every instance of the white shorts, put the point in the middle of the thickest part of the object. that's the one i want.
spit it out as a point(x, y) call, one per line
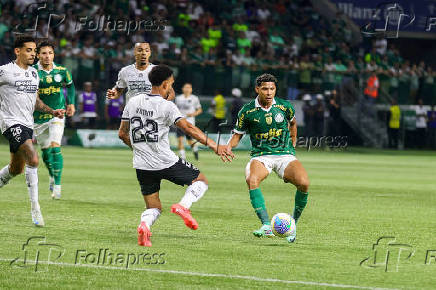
point(48, 132)
point(278, 163)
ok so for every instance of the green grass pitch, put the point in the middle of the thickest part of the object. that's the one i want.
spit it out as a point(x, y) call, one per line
point(356, 197)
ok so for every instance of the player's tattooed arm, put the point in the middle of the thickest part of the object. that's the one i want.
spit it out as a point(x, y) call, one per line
point(293, 131)
point(197, 134)
point(41, 107)
point(123, 132)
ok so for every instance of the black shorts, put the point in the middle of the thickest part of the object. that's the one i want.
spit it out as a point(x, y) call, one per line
point(181, 133)
point(181, 173)
point(17, 135)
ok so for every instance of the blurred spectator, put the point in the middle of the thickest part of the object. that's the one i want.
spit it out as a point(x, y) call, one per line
point(237, 104)
point(114, 109)
point(421, 124)
point(431, 117)
point(394, 117)
point(318, 117)
point(308, 115)
point(335, 115)
point(87, 56)
point(88, 106)
point(371, 93)
point(218, 110)
point(381, 45)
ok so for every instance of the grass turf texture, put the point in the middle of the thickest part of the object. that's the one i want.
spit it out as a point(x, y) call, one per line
point(356, 196)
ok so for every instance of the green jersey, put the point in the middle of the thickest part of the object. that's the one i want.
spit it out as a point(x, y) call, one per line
point(50, 90)
point(268, 129)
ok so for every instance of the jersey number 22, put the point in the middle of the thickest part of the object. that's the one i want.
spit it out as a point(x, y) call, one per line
point(150, 128)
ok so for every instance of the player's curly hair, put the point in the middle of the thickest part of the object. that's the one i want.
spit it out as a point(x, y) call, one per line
point(159, 74)
point(265, 78)
point(44, 43)
point(21, 40)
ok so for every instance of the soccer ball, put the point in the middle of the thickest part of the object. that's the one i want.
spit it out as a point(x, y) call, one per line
point(283, 225)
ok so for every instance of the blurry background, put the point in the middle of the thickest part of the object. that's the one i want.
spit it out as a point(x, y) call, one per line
point(326, 64)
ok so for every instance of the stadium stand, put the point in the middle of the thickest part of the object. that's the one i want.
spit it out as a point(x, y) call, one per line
point(225, 44)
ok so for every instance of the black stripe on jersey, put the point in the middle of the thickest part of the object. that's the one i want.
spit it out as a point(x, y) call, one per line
point(126, 119)
point(178, 119)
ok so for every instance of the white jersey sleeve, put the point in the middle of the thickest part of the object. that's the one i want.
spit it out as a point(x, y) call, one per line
point(126, 114)
point(121, 82)
point(197, 103)
point(173, 113)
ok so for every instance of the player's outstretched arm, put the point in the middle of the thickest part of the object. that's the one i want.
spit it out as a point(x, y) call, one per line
point(293, 131)
point(123, 132)
point(197, 134)
point(71, 97)
point(227, 149)
point(40, 106)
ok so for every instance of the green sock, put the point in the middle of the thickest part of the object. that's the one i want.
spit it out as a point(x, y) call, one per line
point(58, 164)
point(47, 157)
point(300, 203)
point(258, 204)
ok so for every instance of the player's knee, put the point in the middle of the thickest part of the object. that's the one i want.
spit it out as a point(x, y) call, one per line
point(33, 161)
point(303, 184)
point(201, 177)
point(252, 181)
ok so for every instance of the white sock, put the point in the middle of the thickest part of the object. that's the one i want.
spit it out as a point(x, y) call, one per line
point(182, 154)
point(195, 148)
point(32, 185)
point(149, 216)
point(57, 189)
point(5, 175)
point(193, 193)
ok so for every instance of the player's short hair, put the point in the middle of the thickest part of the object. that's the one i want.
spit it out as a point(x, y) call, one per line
point(21, 40)
point(159, 74)
point(265, 78)
point(44, 44)
point(139, 43)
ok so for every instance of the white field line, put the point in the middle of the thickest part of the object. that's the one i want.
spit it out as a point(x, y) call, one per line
point(199, 274)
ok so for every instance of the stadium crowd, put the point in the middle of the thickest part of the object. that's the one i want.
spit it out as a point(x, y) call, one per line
point(219, 45)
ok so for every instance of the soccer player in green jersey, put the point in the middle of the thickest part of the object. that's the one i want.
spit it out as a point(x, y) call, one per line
point(272, 127)
point(49, 129)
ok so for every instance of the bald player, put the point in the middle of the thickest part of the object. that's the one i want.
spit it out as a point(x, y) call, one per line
point(134, 77)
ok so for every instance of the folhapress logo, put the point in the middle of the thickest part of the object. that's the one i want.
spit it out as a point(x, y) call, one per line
point(388, 255)
point(37, 253)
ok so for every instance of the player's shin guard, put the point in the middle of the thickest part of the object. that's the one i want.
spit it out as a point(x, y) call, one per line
point(193, 193)
point(47, 157)
point(150, 215)
point(300, 203)
point(58, 164)
point(258, 203)
point(32, 185)
point(5, 176)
